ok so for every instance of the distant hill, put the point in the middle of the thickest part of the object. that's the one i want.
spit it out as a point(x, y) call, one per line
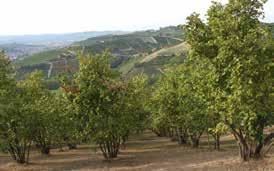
point(149, 52)
point(133, 43)
point(122, 46)
point(54, 39)
point(15, 50)
point(127, 50)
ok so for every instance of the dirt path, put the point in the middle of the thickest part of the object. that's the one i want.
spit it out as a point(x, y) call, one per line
point(145, 152)
point(50, 69)
point(175, 38)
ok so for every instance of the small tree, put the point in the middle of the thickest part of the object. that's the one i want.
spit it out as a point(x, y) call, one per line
point(136, 98)
point(167, 106)
point(202, 79)
point(194, 89)
point(102, 101)
point(179, 100)
point(66, 131)
point(216, 131)
point(41, 102)
point(74, 122)
point(15, 119)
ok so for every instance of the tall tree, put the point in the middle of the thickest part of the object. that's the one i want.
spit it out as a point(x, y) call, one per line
point(236, 43)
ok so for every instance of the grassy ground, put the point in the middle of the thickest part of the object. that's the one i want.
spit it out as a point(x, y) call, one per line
point(38, 58)
point(145, 152)
point(128, 65)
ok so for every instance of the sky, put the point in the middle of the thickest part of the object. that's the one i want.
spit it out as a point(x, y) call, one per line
point(20, 17)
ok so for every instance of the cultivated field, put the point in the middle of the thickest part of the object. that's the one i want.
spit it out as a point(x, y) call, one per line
point(145, 152)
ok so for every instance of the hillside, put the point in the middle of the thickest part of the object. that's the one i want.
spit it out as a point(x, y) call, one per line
point(40, 58)
point(124, 48)
point(271, 27)
point(128, 44)
point(156, 62)
point(54, 39)
point(147, 52)
point(33, 45)
point(169, 51)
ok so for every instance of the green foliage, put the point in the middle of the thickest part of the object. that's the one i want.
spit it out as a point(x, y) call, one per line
point(38, 101)
point(15, 118)
point(106, 104)
point(236, 44)
point(65, 129)
point(52, 114)
point(137, 98)
point(180, 100)
point(30, 113)
point(225, 84)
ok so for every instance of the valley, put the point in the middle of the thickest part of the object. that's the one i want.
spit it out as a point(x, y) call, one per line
point(194, 93)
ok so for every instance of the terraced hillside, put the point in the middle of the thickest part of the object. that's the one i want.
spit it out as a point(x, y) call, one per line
point(155, 63)
point(157, 66)
point(149, 52)
point(123, 47)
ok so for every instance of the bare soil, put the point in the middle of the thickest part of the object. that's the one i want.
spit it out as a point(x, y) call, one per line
point(145, 152)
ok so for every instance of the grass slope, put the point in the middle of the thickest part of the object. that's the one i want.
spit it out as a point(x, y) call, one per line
point(155, 64)
point(39, 58)
point(169, 51)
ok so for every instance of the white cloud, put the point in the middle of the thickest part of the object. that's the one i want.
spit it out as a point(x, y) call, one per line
point(58, 16)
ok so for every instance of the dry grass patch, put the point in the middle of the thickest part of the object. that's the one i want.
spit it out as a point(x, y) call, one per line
point(145, 152)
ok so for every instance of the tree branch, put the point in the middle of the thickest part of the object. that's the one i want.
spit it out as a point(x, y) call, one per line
point(268, 138)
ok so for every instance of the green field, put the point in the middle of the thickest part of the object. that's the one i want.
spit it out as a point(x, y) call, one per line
point(42, 57)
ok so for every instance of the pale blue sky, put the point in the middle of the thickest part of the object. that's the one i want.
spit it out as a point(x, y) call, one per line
point(62, 16)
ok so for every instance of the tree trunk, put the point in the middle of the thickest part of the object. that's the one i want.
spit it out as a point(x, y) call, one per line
point(19, 152)
point(248, 150)
point(195, 142)
point(244, 152)
point(124, 139)
point(45, 150)
point(182, 138)
point(244, 149)
point(195, 139)
point(217, 142)
point(72, 146)
point(161, 132)
point(169, 133)
point(264, 147)
point(110, 148)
